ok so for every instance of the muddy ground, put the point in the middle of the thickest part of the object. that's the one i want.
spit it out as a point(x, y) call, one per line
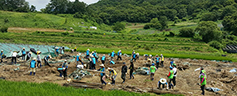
point(218, 76)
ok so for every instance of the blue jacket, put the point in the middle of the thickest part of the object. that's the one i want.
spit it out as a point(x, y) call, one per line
point(134, 56)
point(94, 54)
point(32, 64)
point(118, 53)
point(1, 55)
point(77, 58)
point(93, 60)
point(171, 63)
point(102, 70)
point(23, 52)
point(57, 50)
point(112, 54)
point(87, 52)
point(103, 58)
point(157, 59)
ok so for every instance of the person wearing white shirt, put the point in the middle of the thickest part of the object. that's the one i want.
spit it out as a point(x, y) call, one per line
point(38, 60)
point(14, 56)
point(175, 74)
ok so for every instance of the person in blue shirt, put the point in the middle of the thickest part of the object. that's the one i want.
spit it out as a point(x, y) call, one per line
point(102, 75)
point(119, 54)
point(93, 60)
point(157, 61)
point(65, 66)
point(32, 66)
point(134, 56)
point(95, 55)
point(103, 58)
point(87, 53)
point(57, 50)
point(78, 59)
point(112, 55)
point(171, 62)
point(23, 54)
point(2, 54)
point(46, 60)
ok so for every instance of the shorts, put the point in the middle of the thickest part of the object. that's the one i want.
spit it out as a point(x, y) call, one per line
point(32, 69)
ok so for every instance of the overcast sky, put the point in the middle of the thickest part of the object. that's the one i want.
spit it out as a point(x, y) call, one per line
point(39, 4)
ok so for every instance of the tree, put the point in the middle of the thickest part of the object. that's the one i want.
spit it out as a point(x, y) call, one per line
point(209, 31)
point(32, 8)
point(118, 26)
point(230, 24)
point(57, 6)
point(163, 21)
point(209, 17)
point(186, 32)
point(14, 5)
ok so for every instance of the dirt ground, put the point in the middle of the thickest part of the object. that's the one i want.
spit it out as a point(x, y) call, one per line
point(218, 75)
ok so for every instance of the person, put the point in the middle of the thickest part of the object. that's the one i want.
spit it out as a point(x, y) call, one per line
point(145, 55)
point(175, 74)
point(152, 71)
point(157, 61)
point(75, 49)
point(93, 62)
point(32, 66)
point(112, 55)
point(203, 82)
point(103, 58)
point(38, 60)
point(134, 56)
point(14, 56)
point(202, 71)
point(102, 75)
point(2, 54)
point(78, 59)
point(137, 56)
point(112, 74)
point(111, 62)
point(57, 50)
point(171, 62)
point(23, 53)
point(170, 77)
point(119, 54)
point(162, 82)
point(131, 67)
point(65, 66)
point(87, 53)
point(162, 60)
point(124, 72)
point(28, 56)
point(46, 60)
point(95, 55)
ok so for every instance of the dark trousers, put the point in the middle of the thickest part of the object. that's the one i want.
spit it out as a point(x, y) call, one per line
point(134, 59)
point(162, 65)
point(65, 73)
point(23, 56)
point(102, 81)
point(163, 85)
point(174, 80)
point(152, 76)
point(87, 56)
point(123, 76)
point(1, 60)
point(39, 63)
point(13, 60)
point(119, 57)
point(103, 61)
point(46, 63)
point(202, 88)
point(93, 66)
point(157, 65)
point(131, 75)
point(170, 85)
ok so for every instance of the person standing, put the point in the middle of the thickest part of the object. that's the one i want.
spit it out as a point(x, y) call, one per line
point(38, 60)
point(46, 60)
point(124, 72)
point(14, 56)
point(112, 74)
point(157, 61)
point(23, 54)
point(119, 54)
point(57, 50)
point(87, 53)
point(65, 66)
point(131, 67)
point(32, 66)
point(95, 55)
point(152, 71)
point(162, 60)
point(175, 74)
point(93, 62)
point(134, 56)
point(112, 55)
point(28, 56)
point(103, 58)
point(78, 59)
point(170, 77)
point(102, 75)
point(1, 54)
point(203, 82)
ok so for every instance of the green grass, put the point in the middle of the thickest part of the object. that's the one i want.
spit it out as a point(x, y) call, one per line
point(9, 88)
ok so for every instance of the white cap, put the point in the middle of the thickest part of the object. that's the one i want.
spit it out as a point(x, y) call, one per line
point(65, 60)
point(2, 50)
point(23, 48)
point(102, 65)
point(162, 81)
point(34, 59)
point(88, 49)
point(109, 68)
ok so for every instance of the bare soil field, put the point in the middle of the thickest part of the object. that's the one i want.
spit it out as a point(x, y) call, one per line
point(218, 76)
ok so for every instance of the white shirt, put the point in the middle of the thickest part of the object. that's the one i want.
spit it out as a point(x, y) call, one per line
point(175, 70)
point(38, 58)
point(14, 54)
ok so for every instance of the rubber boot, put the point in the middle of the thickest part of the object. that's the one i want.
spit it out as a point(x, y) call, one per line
point(60, 75)
point(30, 73)
point(34, 73)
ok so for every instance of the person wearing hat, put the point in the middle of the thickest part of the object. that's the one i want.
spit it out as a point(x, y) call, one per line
point(103, 58)
point(1, 54)
point(95, 55)
point(162, 82)
point(93, 62)
point(112, 74)
point(65, 66)
point(14, 56)
point(78, 59)
point(87, 53)
point(170, 77)
point(162, 60)
point(119, 54)
point(134, 56)
point(157, 61)
point(152, 71)
point(46, 60)
point(112, 55)
point(131, 67)
point(28, 56)
point(146, 56)
point(124, 72)
point(75, 49)
point(175, 74)
point(57, 50)
point(32, 66)
point(102, 75)
point(23, 53)
point(39, 60)
point(203, 82)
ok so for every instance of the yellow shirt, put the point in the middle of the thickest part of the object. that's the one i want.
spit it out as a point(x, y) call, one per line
point(162, 58)
point(113, 73)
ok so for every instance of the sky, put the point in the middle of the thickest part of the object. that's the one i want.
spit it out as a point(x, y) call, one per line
point(39, 4)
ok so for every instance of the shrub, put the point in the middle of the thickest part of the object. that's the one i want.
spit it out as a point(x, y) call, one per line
point(65, 33)
point(216, 44)
point(186, 32)
point(148, 26)
point(3, 29)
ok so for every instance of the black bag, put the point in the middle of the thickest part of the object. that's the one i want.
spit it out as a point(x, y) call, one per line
point(33, 51)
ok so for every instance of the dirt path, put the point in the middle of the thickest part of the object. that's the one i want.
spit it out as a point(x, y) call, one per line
point(19, 29)
point(218, 76)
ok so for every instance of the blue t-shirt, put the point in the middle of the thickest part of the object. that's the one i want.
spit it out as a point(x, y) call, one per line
point(102, 70)
point(157, 59)
point(134, 55)
point(57, 50)
point(112, 54)
point(171, 63)
point(103, 58)
point(93, 60)
point(47, 57)
point(77, 58)
point(32, 64)
point(23, 52)
point(1, 55)
point(87, 52)
point(118, 53)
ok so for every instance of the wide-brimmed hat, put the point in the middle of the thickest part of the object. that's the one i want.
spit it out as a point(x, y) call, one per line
point(162, 81)
point(102, 65)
